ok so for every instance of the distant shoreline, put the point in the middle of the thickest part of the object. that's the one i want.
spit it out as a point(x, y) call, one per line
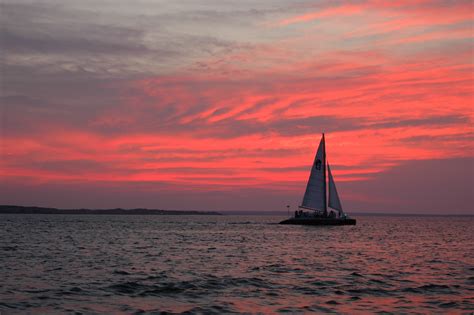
point(7, 209)
point(11, 209)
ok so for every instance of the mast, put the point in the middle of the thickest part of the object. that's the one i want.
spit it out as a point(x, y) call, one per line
point(324, 172)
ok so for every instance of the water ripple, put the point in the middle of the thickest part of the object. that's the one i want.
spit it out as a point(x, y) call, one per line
point(234, 264)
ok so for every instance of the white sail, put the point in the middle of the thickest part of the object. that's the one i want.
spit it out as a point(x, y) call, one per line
point(334, 201)
point(315, 195)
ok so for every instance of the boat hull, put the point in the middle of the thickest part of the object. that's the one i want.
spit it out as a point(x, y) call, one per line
point(319, 221)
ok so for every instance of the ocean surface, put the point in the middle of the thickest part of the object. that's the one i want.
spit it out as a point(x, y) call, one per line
point(234, 264)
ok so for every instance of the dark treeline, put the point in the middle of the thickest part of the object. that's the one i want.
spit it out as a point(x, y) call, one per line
point(7, 209)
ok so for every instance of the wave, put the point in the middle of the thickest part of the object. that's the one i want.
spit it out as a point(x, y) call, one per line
point(9, 248)
point(429, 288)
point(212, 283)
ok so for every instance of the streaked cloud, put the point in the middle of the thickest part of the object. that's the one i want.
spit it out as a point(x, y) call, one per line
point(231, 96)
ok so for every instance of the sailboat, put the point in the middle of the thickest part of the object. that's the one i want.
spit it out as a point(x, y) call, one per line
point(314, 208)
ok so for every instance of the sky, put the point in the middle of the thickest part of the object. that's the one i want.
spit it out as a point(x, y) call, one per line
point(220, 105)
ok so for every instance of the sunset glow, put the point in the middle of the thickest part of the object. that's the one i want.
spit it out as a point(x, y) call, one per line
point(227, 101)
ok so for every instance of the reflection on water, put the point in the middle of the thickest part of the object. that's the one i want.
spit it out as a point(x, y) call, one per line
point(225, 264)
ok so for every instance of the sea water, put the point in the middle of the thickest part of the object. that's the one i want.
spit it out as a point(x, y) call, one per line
point(226, 264)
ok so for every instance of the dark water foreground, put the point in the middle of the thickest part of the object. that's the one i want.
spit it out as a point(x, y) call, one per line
point(224, 264)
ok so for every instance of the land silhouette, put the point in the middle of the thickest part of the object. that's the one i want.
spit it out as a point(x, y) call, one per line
point(10, 209)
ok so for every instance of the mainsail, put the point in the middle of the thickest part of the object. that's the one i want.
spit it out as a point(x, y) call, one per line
point(315, 195)
point(334, 201)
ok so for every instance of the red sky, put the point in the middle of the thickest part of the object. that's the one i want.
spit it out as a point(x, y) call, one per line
point(220, 106)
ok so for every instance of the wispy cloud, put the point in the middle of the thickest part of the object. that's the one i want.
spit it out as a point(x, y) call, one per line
point(227, 96)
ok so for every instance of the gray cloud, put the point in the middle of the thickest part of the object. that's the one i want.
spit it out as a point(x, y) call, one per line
point(153, 37)
point(416, 140)
point(410, 188)
point(47, 28)
point(437, 120)
point(72, 59)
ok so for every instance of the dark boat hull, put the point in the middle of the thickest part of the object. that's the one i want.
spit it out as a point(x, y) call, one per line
point(319, 221)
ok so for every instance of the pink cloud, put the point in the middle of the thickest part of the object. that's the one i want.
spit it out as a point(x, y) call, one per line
point(254, 116)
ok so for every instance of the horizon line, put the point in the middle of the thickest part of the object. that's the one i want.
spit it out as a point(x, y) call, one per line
point(250, 212)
